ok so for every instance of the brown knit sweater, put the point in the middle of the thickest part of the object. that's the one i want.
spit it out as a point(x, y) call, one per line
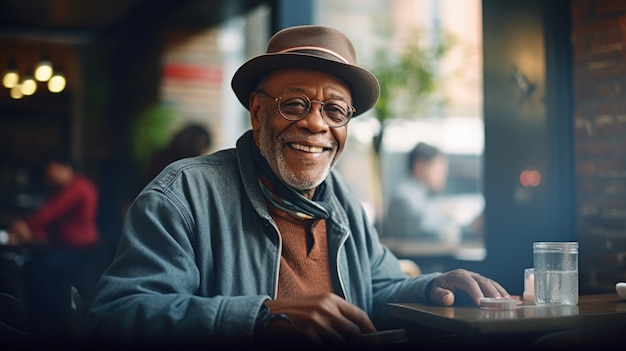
point(304, 267)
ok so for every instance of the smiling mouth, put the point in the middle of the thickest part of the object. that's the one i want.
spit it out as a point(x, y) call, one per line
point(306, 148)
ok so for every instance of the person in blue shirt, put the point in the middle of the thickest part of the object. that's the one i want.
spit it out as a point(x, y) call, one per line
point(413, 211)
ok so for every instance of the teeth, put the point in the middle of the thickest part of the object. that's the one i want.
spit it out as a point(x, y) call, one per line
point(307, 148)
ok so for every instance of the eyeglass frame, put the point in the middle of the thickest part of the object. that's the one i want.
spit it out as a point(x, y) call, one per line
point(351, 108)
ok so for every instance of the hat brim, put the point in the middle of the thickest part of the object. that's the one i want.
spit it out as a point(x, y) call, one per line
point(364, 86)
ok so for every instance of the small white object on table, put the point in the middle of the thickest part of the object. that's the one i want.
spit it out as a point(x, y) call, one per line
point(529, 286)
point(621, 289)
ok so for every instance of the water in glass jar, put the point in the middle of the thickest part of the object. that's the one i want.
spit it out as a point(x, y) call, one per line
point(556, 287)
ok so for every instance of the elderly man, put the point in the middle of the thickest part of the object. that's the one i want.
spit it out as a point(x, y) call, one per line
point(267, 239)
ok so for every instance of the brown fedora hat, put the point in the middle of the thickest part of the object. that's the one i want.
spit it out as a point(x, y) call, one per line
point(316, 47)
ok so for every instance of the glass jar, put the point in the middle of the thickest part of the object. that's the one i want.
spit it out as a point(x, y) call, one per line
point(556, 273)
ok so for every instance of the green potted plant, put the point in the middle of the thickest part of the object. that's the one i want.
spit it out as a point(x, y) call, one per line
point(410, 80)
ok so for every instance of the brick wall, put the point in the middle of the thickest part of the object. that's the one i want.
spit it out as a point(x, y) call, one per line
point(599, 89)
point(193, 78)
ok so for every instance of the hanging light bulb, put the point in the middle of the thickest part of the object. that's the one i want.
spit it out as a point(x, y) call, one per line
point(11, 77)
point(56, 84)
point(43, 71)
point(29, 86)
point(16, 91)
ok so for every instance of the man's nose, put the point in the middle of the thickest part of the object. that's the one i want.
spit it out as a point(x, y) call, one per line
point(314, 118)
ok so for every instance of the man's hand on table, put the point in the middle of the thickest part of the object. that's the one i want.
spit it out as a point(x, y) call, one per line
point(475, 285)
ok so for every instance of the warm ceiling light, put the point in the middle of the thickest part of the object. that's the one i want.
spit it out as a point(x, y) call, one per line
point(43, 71)
point(10, 78)
point(16, 91)
point(29, 86)
point(56, 84)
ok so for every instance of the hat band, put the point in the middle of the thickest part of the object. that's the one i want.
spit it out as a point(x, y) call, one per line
point(315, 48)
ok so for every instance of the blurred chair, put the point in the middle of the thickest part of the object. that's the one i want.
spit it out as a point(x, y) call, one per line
point(77, 315)
point(14, 318)
point(410, 267)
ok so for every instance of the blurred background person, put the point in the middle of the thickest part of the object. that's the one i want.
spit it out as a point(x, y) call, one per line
point(192, 140)
point(413, 211)
point(62, 236)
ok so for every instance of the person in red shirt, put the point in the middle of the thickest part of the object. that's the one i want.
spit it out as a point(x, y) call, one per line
point(61, 236)
point(67, 217)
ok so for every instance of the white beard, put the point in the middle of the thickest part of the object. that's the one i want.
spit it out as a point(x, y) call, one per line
point(275, 156)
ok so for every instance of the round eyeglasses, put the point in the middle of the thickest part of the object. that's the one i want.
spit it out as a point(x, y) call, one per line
point(335, 112)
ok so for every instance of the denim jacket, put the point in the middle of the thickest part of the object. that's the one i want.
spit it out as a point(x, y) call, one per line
point(199, 253)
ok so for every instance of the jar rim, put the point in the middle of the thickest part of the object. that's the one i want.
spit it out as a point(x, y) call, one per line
point(556, 245)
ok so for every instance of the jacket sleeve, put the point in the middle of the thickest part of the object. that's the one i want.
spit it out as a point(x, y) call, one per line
point(149, 292)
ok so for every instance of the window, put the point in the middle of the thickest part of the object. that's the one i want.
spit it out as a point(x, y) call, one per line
point(451, 118)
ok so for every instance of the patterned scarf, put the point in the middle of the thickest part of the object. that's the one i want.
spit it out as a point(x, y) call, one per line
point(286, 198)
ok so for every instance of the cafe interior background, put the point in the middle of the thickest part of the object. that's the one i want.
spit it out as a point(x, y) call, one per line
point(530, 108)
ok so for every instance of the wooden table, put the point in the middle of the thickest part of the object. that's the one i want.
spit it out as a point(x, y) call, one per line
point(592, 311)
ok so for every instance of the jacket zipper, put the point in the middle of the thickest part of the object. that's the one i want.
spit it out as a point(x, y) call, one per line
point(339, 276)
point(277, 258)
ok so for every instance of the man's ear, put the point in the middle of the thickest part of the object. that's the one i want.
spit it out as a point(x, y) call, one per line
point(256, 113)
